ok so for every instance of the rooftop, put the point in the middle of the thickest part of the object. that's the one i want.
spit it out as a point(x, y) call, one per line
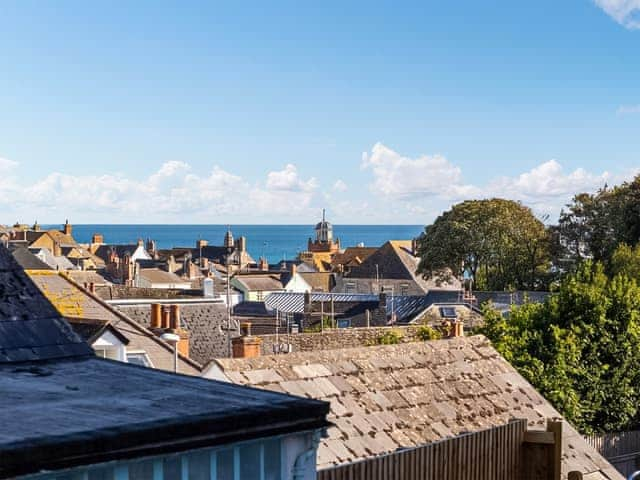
point(62, 407)
point(389, 397)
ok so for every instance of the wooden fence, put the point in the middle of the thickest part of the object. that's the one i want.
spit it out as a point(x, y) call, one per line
point(621, 449)
point(503, 453)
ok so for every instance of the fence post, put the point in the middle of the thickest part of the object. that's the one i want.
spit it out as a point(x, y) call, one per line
point(555, 426)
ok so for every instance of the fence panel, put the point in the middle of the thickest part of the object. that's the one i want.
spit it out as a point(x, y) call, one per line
point(621, 449)
point(494, 454)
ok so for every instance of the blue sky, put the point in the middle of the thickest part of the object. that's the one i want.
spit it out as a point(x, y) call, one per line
point(190, 112)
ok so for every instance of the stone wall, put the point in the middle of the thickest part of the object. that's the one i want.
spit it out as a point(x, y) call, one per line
point(115, 292)
point(336, 338)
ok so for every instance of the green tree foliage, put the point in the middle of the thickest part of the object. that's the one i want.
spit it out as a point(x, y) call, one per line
point(426, 333)
point(580, 349)
point(593, 225)
point(391, 337)
point(500, 243)
point(626, 260)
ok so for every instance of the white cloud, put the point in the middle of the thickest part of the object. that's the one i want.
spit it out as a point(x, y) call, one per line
point(419, 186)
point(340, 186)
point(172, 193)
point(288, 180)
point(396, 176)
point(628, 109)
point(7, 165)
point(625, 12)
point(547, 180)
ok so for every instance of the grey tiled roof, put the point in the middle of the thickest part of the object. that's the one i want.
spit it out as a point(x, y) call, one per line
point(396, 396)
point(205, 322)
point(30, 327)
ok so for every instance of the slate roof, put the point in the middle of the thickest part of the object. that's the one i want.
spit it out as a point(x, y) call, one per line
point(252, 309)
point(155, 275)
point(205, 322)
point(87, 276)
point(395, 261)
point(28, 260)
point(56, 263)
point(260, 281)
point(30, 327)
point(319, 281)
point(352, 256)
point(62, 407)
point(73, 302)
point(397, 396)
point(103, 251)
point(120, 410)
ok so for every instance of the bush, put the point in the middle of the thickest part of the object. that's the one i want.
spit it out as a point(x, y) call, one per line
point(392, 337)
point(425, 333)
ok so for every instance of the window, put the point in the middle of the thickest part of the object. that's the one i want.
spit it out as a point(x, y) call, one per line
point(448, 312)
point(404, 289)
point(259, 460)
point(350, 287)
point(260, 295)
point(344, 323)
point(106, 352)
point(139, 358)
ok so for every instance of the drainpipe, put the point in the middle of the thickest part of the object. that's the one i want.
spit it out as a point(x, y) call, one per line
point(300, 465)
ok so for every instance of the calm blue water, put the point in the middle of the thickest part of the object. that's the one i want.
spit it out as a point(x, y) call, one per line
point(274, 241)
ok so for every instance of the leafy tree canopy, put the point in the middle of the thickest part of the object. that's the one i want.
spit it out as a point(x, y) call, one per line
point(580, 349)
point(499, 243)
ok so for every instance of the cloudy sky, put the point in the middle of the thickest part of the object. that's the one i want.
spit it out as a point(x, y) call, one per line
point(191, 112)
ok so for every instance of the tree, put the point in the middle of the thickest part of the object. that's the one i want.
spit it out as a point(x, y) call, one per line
point(499, 243)
point(626, 260)
point(592, 226)
point(580, 349)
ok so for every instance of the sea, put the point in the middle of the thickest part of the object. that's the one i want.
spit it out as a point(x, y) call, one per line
point(276, 242)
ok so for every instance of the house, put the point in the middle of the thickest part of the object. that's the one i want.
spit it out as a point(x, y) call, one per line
point(65, 413)
point(28, 260)
point(233, 252)
point(111, 333)
point(256, 286)
point(338, 310)
point(120, 260)
point(156, 278)
point(60, 262)
point(392, 269)
point(343, 262)
point(207, 324)
point(391, 398)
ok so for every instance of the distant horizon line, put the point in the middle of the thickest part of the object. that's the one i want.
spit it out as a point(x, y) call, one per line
point(236, 224)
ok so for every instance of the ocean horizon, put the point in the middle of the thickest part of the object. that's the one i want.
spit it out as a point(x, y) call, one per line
point(275, 242)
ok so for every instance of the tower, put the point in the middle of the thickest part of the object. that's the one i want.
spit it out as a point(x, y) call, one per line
point(228, 238)
point(324, 238)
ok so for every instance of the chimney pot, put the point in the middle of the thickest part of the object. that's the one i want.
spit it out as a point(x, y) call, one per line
point(175, 316)
point(166, 318)
point(245, 329)
point(156, 315)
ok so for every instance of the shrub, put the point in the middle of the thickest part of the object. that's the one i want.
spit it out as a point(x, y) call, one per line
point(425, 333)
point(391, 337)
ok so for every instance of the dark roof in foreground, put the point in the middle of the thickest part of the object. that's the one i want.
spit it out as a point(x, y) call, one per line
point(30, 327)
point(85, 410)
point(397, 396)
point(61, 406)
